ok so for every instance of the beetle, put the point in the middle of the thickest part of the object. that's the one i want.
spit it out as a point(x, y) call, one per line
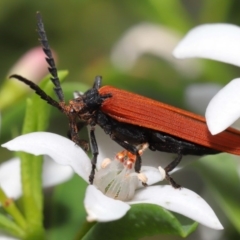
point(132, 120)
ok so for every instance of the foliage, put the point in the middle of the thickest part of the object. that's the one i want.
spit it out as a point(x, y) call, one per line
point(83, 34)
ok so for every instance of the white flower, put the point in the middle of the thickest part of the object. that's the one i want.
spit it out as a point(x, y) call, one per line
point(10, 177)
point(6, 237)
point(218, 42)
point(102, 208)
point(148, 38)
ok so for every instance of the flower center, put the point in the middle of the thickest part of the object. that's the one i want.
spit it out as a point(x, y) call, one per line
point(117, 178)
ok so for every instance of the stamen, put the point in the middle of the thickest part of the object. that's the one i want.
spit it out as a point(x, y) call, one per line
point(117, 178)
point(162, 172)
point(143, 178)
point(105, 162)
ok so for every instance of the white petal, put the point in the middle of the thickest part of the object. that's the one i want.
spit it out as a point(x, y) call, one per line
point(224, 108)
point(54, 173)
point(10, 177)
point(10, 180)
point(61, 150)
point(182, 201)
point(214, 41)
point(197, 96)
point(101, 208)
point(153, 175)
point(6, 237)
point(206, 233)
point(147, 38)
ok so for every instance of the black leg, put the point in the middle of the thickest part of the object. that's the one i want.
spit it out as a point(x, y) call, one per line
point(170, 167)
point(94, 148)
point(174, 163)
point(73, 134)
point(172, 182)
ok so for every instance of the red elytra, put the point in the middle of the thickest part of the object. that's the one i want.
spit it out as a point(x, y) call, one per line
point(141, 111)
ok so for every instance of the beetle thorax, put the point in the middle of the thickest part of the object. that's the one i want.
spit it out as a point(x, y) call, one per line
point(85, 105)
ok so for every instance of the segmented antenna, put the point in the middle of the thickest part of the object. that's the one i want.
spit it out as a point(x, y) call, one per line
point(38, 90)
point(49, 58)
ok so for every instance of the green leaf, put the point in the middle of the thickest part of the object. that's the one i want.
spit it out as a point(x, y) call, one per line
point(142, 220)
point(221, 176)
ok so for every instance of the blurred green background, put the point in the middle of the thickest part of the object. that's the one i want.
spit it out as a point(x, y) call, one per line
point(83, 34)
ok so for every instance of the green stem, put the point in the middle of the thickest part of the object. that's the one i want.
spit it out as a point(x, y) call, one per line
point(31, 176)
point(8, 226)
point(32, 191)
point(10, 207)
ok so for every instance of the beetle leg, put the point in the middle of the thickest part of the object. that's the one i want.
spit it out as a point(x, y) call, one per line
point(73, 135)
point(73, 131)
point(172, 182)
point(170, 167)
point(174, 163)
point(94, 148)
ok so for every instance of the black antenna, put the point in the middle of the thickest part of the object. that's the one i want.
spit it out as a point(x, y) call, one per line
point(38, 90)
point(49, 58)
